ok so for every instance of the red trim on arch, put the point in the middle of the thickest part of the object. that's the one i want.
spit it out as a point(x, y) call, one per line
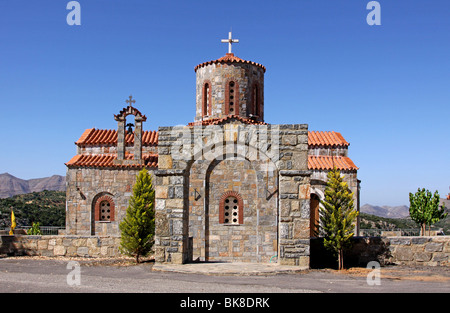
point(111, 206)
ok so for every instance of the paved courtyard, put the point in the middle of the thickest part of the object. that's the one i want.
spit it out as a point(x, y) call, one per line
point(36, 275)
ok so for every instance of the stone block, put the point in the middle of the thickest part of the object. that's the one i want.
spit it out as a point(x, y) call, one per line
point(176, 257)
point(289, 140)
point(160, 204)
point(300, 229)
point(304, 209)
point(304, 192)
point(404, 254)
point(419, 240)
point(300, 160)
point(93, 242)
point(175, 203)
point(434, 247)
point(83, 251)
point(165, 162)
point(285, 207)
point(440, 257)
point(287, 261)
point(59, 251)
point(423, 256)
point(284, 231)
point(104, 250)
point(177, 227)
point(161, 192)
point(288, 187)
point(42, 244)
point(400, 241)
point(161, 224)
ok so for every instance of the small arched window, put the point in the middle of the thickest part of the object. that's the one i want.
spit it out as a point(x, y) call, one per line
point(231, 209)
point(104, 209)
point(255, 106)
point(232, 98)
point(206, 99)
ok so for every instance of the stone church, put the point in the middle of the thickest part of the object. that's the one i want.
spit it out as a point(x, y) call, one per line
point(229, 186)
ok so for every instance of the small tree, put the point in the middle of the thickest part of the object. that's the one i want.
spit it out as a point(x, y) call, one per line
point(337, 216)
point(424, 208)
point(138, 226)
point(35, 229)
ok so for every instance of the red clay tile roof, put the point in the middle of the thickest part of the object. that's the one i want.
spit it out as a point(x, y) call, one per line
point(107, 160)
point(94, 136)
point(324, 162)
point(217, 121)
point(229, 58)
point(320, 138)
point(151, 160)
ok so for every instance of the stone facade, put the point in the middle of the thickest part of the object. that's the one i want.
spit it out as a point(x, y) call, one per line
point(228, 186)
point(265, 164)
point(85, 186)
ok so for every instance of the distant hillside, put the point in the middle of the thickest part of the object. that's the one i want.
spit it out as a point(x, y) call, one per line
point(369, 221)
point(395, 211)
point(11, 185)
point(386, 211)
point(46, 207)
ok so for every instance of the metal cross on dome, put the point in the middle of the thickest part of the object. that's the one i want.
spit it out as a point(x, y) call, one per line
point(230, 41)
point(130, 100)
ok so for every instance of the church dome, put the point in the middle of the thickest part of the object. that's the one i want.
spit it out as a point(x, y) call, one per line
point(229, 86)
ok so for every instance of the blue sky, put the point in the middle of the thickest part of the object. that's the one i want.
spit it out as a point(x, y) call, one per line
point(385, 88)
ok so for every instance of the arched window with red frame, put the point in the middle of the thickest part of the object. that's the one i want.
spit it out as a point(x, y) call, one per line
point(206, 99)
point(104, 209)
point(231, 209)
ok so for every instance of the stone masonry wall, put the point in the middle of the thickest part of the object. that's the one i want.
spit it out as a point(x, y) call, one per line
point(52, 246)
point(255, 240)
point(409, 251)
point(218, 76)
point(84, 186)
point(284, 147)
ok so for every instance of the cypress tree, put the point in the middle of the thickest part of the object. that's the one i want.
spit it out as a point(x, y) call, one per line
point(338, 215)
point(138, 227)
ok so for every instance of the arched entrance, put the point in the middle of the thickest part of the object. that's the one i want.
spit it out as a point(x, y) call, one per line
point(250, 235)
point(314, 215)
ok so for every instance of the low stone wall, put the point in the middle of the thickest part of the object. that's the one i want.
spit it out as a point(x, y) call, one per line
point(429, 251)
point(411, 251)
point(71, 246)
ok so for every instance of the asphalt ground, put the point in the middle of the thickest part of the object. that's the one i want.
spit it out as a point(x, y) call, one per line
point(67, 275)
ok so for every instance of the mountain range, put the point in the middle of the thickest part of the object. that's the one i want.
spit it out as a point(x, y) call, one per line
point(386, 211)
point(11, 185)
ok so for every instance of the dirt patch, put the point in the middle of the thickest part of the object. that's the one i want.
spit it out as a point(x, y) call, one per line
point(431, 274)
